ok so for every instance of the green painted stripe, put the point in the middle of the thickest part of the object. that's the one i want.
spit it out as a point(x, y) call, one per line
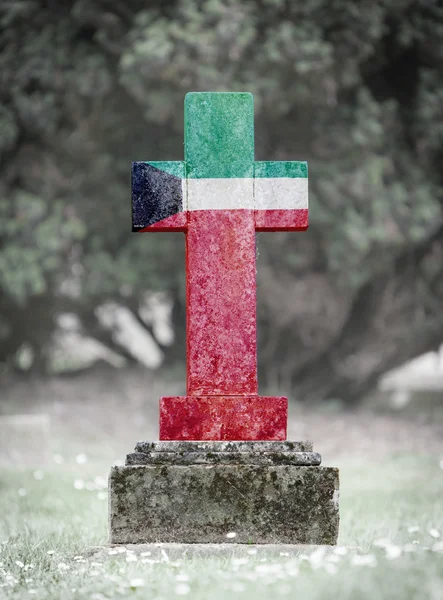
point(282, 168)
point(265, 169)
point(219, 135)
point(173, 167)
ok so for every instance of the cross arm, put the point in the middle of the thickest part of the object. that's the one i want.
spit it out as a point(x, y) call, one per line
point(158, 196)
point(281, 196)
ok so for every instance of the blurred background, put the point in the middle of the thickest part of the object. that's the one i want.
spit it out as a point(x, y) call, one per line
point(89, 310)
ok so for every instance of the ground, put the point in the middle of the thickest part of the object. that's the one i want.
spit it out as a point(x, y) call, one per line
point(51, 518)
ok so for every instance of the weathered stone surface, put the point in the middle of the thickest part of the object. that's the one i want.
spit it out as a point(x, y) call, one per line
point(228, 446)
point(211, 458)
point(200, 503)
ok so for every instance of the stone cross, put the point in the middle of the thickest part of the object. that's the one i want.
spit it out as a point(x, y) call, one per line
point(222, 470)
point(219, 197)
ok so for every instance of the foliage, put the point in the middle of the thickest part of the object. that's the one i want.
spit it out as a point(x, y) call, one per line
point(354, 88)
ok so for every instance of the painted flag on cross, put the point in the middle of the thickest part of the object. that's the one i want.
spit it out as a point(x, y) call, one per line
point(219, 173)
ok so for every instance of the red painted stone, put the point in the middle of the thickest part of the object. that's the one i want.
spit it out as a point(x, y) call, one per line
point(223, 418)
point(173, 223)
point(221, 303)
point(281, 220)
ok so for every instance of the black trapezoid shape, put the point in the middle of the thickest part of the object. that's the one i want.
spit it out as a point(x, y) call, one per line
point(156, 195)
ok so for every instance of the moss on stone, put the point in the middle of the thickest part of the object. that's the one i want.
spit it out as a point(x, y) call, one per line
point(199, 503)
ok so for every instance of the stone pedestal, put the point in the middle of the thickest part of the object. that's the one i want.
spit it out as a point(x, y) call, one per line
point(199, 492)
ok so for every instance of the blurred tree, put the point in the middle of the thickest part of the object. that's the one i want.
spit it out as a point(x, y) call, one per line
point(355, 88)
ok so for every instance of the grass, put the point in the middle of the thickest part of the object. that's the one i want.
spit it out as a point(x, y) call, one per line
point(392, 509)
point(391, 506)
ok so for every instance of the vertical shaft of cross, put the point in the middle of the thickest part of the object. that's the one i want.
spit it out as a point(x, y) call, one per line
point(221, 303)
point(220, 245)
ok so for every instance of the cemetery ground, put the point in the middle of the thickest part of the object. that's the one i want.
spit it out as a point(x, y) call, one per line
point(53, 516)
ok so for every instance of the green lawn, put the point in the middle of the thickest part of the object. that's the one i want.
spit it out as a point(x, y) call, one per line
point(393, 511)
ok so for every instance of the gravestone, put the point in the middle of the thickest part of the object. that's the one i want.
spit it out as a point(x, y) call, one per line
point(222, 469)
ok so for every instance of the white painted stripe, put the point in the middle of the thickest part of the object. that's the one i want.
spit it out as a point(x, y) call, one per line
point(271, 193)
point(184, 194)
point(220, 194)
point(280, 193)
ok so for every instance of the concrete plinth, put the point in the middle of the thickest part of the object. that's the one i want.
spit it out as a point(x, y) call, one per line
point(263, 492)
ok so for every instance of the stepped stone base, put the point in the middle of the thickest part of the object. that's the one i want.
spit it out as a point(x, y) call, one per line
point(203, 492)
